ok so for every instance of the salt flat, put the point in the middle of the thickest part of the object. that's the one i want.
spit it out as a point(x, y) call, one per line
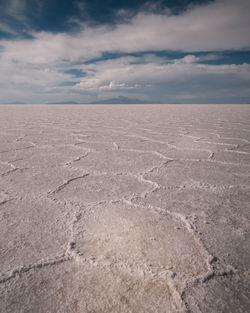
point(124, 208)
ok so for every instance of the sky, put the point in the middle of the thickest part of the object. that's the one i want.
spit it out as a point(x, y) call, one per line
point(165, 51)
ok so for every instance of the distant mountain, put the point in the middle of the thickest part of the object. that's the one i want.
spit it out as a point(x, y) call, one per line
point(63, 102)
point(14, 102)
point(18, 102)
point(121, 100)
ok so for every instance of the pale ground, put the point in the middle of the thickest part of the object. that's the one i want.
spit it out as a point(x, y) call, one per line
point(124, 209)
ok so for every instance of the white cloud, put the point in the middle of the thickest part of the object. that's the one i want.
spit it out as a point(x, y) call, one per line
point(220, 25)
point(34, 68)
point(178, 80)
point(113, 85)
point(155, 78)
point(124, 73)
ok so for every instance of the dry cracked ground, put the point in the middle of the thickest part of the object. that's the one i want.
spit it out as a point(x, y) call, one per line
point(123, 209)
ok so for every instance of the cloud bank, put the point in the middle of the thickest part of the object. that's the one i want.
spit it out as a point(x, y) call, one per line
point(38, 67)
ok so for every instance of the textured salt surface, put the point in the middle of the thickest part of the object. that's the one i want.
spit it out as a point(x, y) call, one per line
point(124, 208)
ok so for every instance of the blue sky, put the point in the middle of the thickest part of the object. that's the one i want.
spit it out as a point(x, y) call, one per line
point(166, 51)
